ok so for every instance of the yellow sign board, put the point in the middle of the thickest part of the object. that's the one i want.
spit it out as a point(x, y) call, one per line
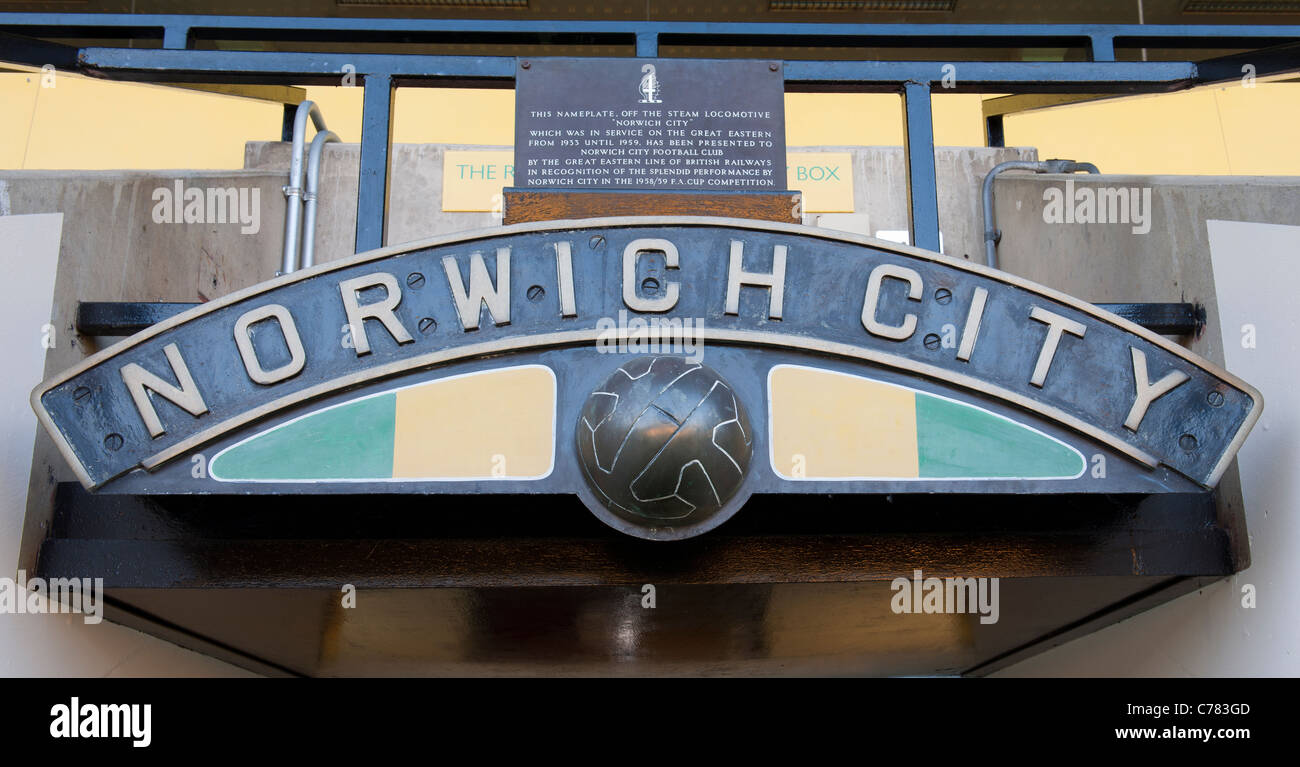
point(825, 178)
point(472, 179)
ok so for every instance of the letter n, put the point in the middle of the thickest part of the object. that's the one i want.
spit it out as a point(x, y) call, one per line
point(140, 382)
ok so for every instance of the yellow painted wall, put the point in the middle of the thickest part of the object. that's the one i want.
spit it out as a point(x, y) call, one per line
point(1230, 130)
point(78, 123)
point(462, 116)
point(83, 123)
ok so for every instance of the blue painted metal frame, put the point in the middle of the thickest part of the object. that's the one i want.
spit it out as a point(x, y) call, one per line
point(918, 150)
point(1279, 51)
point(373, 182)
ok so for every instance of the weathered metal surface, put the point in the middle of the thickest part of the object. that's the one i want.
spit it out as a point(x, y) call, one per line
point(124, 318)
point(662, 440)
point(890, 314)
point(1168, 319)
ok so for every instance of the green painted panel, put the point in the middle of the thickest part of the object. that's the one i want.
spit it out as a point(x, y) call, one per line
point(955, 440)
point(349, 441)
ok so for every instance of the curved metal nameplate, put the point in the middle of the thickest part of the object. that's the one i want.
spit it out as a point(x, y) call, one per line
point(743, 284)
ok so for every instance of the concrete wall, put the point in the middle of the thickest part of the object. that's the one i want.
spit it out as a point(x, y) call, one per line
point(45, 644)
point(415, 194)
point(1244, 273)
point(879, 181)
point(112, 249)
point(880, 194)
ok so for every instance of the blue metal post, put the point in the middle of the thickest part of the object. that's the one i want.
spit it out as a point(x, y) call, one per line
point(376, 145)
point(1103, 48)
point(918, 147)
point(176, 36)
point(647, 44)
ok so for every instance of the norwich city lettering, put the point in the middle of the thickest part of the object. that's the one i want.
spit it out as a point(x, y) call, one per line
point(481, 289)
point(615, 286)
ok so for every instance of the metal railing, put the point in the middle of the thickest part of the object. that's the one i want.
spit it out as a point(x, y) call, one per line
point(292, 256)
point(31, 38)
point(992, 234)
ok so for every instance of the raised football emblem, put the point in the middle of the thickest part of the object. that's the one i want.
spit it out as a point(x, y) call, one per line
point(664, 442)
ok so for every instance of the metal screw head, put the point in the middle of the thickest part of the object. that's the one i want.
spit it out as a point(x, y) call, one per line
point(81, 394)
point(650, 285)
point(535, 293)
point(1187, 442)
point(113, 441)
point(415, 280)
point(773, 66)
point(597, 242)
point(427, 325)
point(943, 295)
point(932, 341)
point(525, 64)
point(1215, 398)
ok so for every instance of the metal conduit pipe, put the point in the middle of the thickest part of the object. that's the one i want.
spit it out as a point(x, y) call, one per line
point(993, 235)
point(293, 192)
point(309, 197)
